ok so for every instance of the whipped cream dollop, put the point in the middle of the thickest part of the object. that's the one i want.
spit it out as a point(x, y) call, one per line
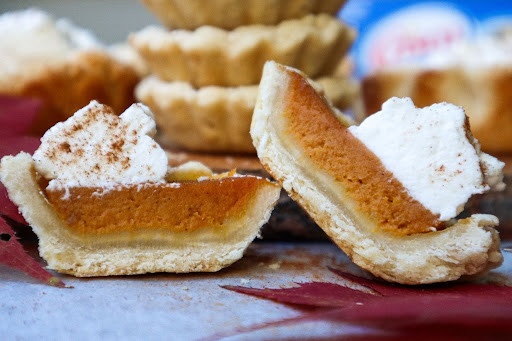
point(95, 147)
point(32, 38)
point(431, 152)
point(483, 52)
point(33, 31)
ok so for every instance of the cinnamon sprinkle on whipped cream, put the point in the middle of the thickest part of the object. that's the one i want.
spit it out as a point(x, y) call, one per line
point(96, 147)
point(445, 167)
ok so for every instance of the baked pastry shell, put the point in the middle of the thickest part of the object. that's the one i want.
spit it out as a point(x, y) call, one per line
point(217, 119)
point(229, 14)
point(212, 56)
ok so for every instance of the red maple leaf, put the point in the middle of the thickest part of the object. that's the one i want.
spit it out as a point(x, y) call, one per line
point(455, 311)
point(17, 114)
point(14, 256)
point(16, 117)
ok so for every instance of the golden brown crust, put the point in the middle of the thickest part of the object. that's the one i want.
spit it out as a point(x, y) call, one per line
point(229, 14)
point(68, 86)
point(484, 94)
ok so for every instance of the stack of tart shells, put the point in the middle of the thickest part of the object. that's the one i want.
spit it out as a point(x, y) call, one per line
point(206, 63)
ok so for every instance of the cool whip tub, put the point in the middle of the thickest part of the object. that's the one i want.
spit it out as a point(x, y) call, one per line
point(394, 32)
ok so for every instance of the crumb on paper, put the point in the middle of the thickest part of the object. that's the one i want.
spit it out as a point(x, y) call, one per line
point(274, 266)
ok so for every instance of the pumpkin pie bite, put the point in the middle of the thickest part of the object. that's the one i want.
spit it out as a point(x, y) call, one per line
point(101, 198)
point(387, 192)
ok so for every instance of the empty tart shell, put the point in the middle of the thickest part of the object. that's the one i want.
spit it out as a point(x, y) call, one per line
point(69, 84)
point(229, 14)
point(216, 118)
point(178, 226)
point(307, 162)
point(484, 93)
point(212, 56)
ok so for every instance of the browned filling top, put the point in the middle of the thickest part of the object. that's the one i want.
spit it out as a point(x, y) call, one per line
point(191, 206)
point(331, 146)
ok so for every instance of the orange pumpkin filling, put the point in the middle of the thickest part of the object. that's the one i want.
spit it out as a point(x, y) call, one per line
point(179, 207)
point(333, 148)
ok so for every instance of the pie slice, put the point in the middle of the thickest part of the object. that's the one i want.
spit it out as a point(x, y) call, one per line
point(387, 191)
point(100, 197)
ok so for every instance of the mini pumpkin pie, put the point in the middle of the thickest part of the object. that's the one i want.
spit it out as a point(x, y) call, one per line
point(73, 83)
point(215, 118)
point(213, 56)
point(61, 64)
point(476, 75)
point(100, 197)
point(387, 191)
point(229, 14)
